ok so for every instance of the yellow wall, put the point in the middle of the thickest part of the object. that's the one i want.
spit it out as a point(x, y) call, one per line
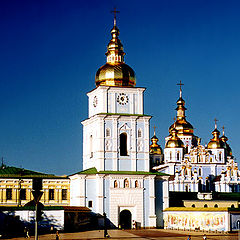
point(17, 184)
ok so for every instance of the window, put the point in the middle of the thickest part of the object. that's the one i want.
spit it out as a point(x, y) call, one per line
point(90, 146)
point(216, 206)
point(126, 183)
point(64, 194)
point(89, 203)
point(178, 156)
point(205, 205)
point(136, 184)
point(115, 184)
point(220, 156)
point(139, 133)
point(123, 144)
point(200, 171)
point(108, 134)
point(22, 194)
point(51, 194)
point(9, 194)
point(232, 206)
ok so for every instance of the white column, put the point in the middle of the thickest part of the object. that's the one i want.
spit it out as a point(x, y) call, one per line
point(133, 145)
point(165, 192)
point(100, 195)
point(152, 215)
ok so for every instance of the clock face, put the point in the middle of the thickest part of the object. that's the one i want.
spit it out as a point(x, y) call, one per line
point(95, 101)
point(122, 98)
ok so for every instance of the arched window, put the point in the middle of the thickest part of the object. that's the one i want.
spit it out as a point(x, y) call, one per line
point(123, 144)
point(136, 184)
point(91, 146)
point(170, 156)
point(205, 205)
point(126, 183)
point(178, 156)
point(199, 186)
point(186, 188)
point(200, 171)
point(232, 206)
point(193, 205)
point(139, 133)
point(216, 206)
point(220, 156)
point(108, 133)
point(115, 184)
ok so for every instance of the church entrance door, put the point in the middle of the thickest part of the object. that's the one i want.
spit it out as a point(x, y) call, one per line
point(125, 219)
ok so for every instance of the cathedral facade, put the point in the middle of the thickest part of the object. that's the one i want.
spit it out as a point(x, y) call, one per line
point(130, 181)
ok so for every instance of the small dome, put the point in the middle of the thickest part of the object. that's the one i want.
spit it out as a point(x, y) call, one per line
point(215, 142)
point(117, 74)
point(155, 147)
point(226, 145)
point(174, 141)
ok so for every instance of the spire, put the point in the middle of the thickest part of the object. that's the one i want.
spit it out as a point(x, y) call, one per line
point(154, 132)
point(180, 84)
point(215, 120)
point(114, 11)
point(181, 104)
point(115, 53)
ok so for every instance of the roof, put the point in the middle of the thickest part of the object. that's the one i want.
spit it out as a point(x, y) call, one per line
point(14, 172)
point(65, 208)
point(94, 171)
point(192, 209)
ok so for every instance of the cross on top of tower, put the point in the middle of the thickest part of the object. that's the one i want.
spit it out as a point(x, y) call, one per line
point(114, 11)
point(215, 120)
point(223, 128)
point(154, 127)
point(180, 84)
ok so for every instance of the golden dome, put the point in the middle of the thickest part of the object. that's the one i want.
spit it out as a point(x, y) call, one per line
point(115, 72)
point(174, 141)
point(155, 147)
point(225, 144)
point(215, 142)
point(118, 74)
point(182, 126)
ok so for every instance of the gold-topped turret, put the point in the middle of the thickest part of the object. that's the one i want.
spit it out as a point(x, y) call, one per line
point(174, 141)
point(115, 72)
point(215, 142)
point(182, 126)
point(225, 144)
point(155, 147)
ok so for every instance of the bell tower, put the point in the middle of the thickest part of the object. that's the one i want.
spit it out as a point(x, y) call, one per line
point(116, 133)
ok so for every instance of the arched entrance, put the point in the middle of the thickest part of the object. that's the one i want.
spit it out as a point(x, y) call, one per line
point(125, 219)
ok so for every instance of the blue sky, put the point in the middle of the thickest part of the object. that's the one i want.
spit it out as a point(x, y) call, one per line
point(51, 50)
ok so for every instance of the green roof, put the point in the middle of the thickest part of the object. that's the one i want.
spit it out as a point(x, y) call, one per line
point(14, 172)
point(94, 171)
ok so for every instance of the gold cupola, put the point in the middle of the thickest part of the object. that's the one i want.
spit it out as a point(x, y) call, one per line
point(174, 141)
point(183, 127)
point(115, 72)
point(155, 147)
point(225, 144)
point(215, 142)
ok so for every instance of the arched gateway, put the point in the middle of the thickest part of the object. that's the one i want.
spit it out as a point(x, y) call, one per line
point(125, 219)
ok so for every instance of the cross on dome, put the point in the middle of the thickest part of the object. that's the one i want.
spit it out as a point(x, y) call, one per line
point(215, 120)
point(114, 11)
point(180, 84)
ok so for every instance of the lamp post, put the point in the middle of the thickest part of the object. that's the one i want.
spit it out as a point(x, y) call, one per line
point(37, 194)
